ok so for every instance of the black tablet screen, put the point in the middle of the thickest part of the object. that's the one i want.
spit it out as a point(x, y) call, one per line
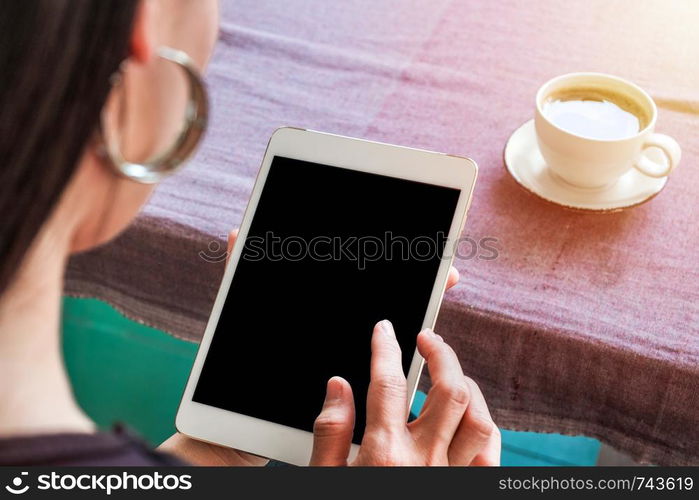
point(330, 252)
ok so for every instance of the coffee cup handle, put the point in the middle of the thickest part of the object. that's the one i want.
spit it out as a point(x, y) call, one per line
point(670, 149)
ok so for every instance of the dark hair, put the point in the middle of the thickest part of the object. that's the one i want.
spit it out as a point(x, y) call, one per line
point(56, 59)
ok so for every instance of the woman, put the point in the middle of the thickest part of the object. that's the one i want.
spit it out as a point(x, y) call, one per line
point(75, 75)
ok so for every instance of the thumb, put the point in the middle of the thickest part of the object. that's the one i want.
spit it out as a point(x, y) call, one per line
point(332, 430)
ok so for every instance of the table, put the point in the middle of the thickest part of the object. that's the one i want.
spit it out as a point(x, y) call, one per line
point(584, 323)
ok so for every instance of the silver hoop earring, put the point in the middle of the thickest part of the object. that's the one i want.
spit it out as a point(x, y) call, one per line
point(196, 118)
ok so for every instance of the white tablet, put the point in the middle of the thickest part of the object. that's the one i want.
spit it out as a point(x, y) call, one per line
point(339, 234)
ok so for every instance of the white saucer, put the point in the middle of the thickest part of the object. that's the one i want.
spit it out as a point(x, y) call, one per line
point(525, 163)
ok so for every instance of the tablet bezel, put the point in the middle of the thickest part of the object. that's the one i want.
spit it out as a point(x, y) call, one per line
point(277, 441)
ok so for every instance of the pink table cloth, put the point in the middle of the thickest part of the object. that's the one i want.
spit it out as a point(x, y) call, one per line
point(585, 323)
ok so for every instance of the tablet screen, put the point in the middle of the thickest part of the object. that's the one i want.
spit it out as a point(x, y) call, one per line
point(330, 252)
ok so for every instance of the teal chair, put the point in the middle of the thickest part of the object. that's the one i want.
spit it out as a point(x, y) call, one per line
point(127, 372)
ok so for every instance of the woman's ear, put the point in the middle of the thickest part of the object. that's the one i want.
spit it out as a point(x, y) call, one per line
point(142, 35)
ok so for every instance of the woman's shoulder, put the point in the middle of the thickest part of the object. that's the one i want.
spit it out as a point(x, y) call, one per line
point(119, 447)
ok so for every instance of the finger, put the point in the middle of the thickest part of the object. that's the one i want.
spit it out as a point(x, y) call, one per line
point(475, 429)
point(446, 401)
point(387, 400)
point(453, 277)
point(477, 441)
point(490, 456)
point(332, 430)
point(232, 236)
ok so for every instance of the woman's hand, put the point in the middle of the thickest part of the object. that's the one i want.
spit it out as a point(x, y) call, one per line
point(210, 455)
point(454, 427)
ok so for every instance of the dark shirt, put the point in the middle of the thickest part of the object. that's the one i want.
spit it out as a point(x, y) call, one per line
point(118, 447)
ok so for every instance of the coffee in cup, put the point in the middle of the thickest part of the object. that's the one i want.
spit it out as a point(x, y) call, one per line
point(596, 113)
point(592, 128)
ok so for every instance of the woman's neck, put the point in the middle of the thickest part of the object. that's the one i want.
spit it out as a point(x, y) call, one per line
point(35, 391)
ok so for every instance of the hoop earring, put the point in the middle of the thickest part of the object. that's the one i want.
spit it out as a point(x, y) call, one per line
point(196, 119)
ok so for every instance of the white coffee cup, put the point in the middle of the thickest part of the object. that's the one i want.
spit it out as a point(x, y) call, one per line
point(596, 163)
